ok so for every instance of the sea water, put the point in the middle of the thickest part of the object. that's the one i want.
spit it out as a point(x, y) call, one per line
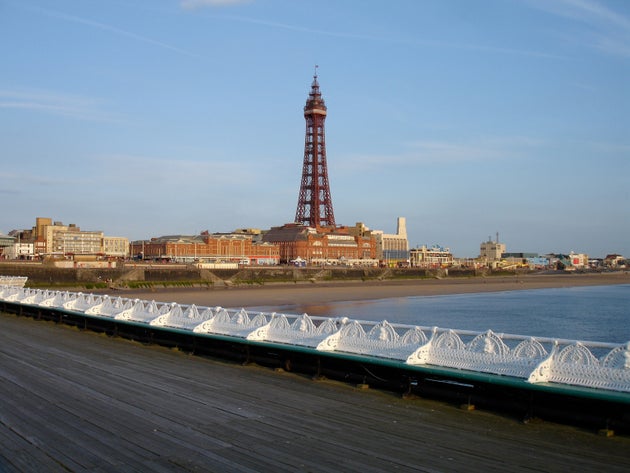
point(594, 313)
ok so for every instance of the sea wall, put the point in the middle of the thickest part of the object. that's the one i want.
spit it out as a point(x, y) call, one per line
point(130, 274)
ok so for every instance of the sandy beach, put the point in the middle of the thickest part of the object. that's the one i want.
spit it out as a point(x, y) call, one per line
point(318, 293)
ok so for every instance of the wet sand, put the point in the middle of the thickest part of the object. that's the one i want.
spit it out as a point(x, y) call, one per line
point(324, 292)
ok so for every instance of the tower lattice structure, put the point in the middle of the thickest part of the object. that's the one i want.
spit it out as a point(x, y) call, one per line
point(315, 207)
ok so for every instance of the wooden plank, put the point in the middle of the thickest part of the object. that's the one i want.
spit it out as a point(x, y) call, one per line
point(89, 401)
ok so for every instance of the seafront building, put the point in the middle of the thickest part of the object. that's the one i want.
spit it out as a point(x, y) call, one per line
point(392, 249)
point(523, 260)
point(301, 244)
point(430, 258)
point(6, 246)
point(18, 251)
point(614, 261)
point(491, 251)
point(56, 240)
point(239, 248)
point(568, 262)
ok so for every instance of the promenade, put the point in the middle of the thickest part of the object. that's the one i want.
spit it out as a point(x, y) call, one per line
point(75, 400)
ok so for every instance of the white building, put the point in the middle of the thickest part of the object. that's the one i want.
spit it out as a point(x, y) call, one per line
point(491, 251)
point(116, 246)
point(19, 251)
point(55, 238)
point(578, 260)
point(434, 257)
point(391, 248)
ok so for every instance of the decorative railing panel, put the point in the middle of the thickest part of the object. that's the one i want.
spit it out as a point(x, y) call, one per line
point(183, 318)
point(16, 281)
point(296, 330)
point(486, 352)
point(380, 339)
point(234, 323)
point(109, 307)
point(603, 366)
point(577, 362)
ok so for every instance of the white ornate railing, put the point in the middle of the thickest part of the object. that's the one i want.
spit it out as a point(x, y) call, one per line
point(17, 281)
point(596, 365)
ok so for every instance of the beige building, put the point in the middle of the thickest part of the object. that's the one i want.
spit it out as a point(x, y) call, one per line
point(55, 238)
point(23, 251)
point(578, 260)
point(116, 246)
point(392, 249)
point(434, 257)
point(77, 242)
point(491, 251)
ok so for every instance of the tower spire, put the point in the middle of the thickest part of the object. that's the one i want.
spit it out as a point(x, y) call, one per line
point(314, 203)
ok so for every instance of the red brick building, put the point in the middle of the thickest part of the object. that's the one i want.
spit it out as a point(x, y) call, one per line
point(321, 245)
point(225, 248)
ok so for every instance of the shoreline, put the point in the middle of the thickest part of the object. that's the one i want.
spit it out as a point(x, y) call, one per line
point(270, 295)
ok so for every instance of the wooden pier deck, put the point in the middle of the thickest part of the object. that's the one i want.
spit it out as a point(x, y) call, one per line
point(75, 400)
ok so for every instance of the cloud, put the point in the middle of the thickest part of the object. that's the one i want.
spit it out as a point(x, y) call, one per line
point(22, 183)
point(614, 46)
point(389, 39)
point(67, 105)
point(589, 10)
point(192, 4)
point(609, 31)
point(437, 152)
point(176, 173)
point(110, 29)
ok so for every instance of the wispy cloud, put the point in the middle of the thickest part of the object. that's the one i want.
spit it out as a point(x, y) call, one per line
point(420, 153)
point(28, 180)
point(609, 31)
point(390, 39)
point(589, 10)
point(109, 28)
point(181, 173)
point(190, 4)
point(298, 28)
point(67, 105)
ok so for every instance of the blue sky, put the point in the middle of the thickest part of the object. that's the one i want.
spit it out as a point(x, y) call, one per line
point(149, 117)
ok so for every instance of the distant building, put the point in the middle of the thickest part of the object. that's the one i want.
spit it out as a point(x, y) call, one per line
point(491, 251)
point(569, 262)
point(578, 260)
point(21, 251)
point(324, 245)
point(614, 261)
point(6, 241)
point(538, 262)
point(56, 239)
point(394, 248)
point(116, 246)
point(227, 248)
point(434, 257)
point(391, 249)
point(523, 260)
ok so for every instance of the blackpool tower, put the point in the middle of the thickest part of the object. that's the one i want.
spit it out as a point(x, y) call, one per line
point(314, 207)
